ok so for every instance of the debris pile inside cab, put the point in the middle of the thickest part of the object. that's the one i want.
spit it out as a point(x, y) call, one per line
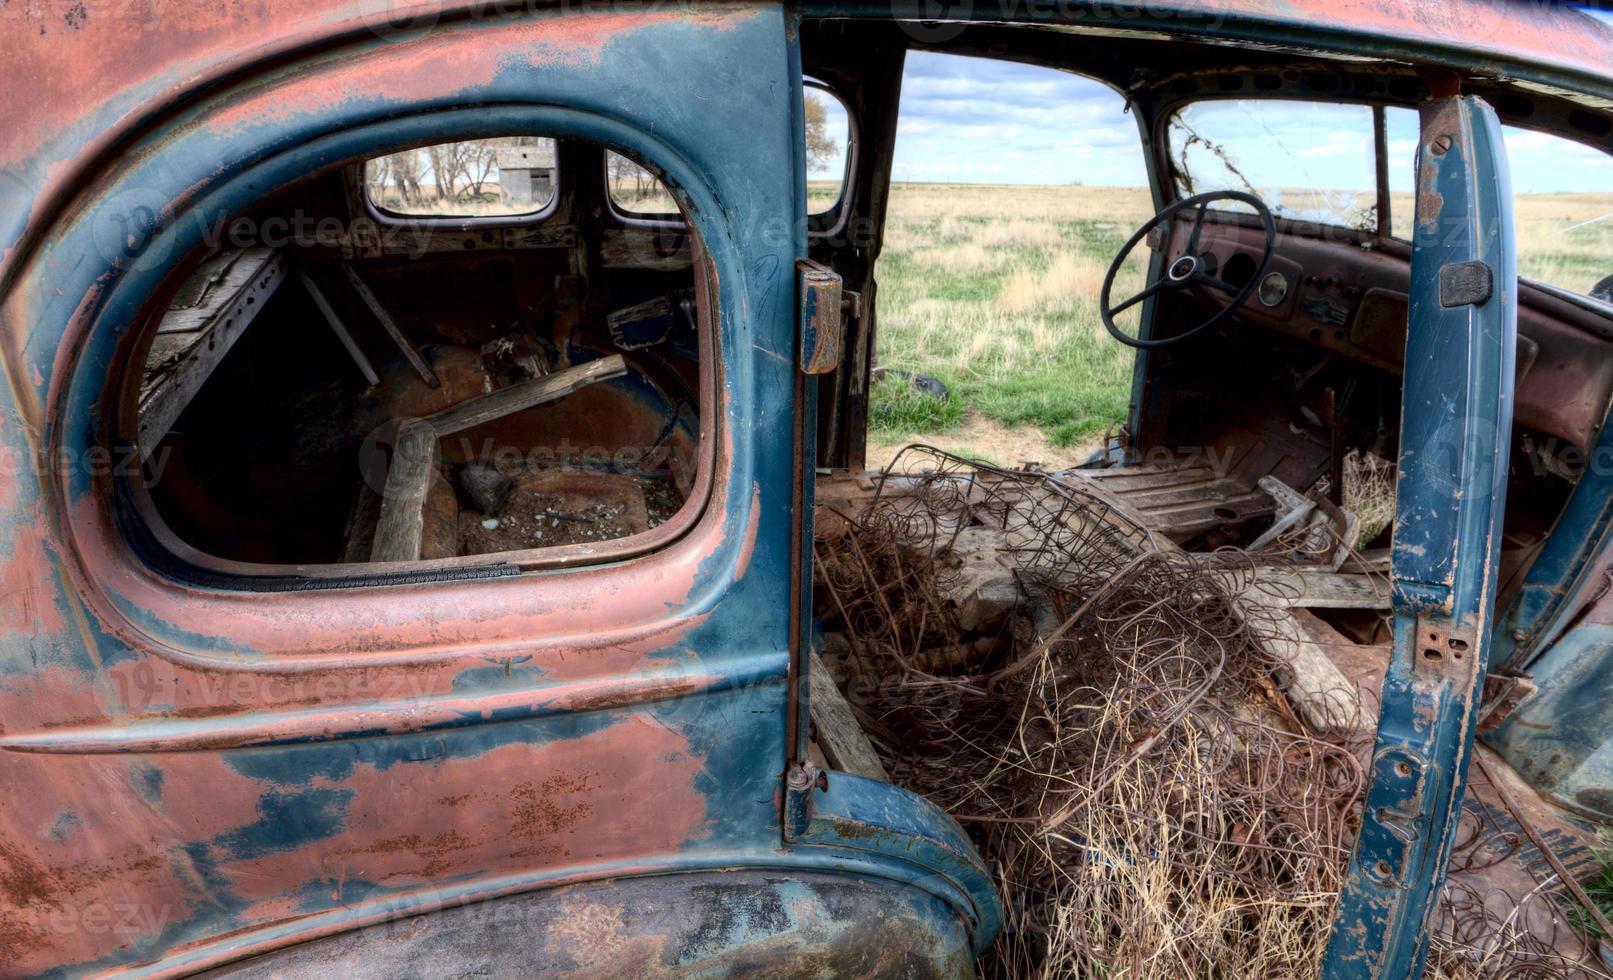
point(1161, 752)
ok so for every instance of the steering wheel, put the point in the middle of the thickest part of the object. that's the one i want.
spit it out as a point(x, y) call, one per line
point(1188, 270)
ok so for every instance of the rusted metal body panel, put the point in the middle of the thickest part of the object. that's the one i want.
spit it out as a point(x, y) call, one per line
point(711, 924)
point(1450, 497)
point(1558, 739)
point(196, 773)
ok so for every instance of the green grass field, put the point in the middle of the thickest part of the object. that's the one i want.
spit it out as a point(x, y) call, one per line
point(993, 289)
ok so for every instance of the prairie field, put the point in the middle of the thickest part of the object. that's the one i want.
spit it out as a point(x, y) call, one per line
point(993, 289)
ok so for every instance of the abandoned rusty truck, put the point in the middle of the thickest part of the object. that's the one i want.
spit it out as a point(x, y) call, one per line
point(400, 586)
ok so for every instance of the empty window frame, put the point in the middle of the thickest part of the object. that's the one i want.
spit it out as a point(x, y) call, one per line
point(439, 396)
point(501, 176)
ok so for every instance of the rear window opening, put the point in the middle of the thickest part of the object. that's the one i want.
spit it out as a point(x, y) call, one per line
point(362, 391)
point(504, 175)
point(828, 138)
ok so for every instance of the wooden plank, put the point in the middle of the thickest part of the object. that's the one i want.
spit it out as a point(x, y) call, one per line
point(1188, 519)
point(193, 340)
point(1123, 480)
point(1305, 588)
point(338, 328)
point(361, 522)
point(1320, 692)
point(402, 523)
point(391, 327)
point(1372, 560)
point(484, 408)
point(841, 738)
point(665, 249)
point(1216, 491)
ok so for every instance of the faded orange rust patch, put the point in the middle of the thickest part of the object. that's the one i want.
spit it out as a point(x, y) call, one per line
point(623, 791)
point(752, 533)
point(607, 619)
point(419, 68)
point(11, 460)
point(64, 59)
point(52, 697)
point(27, 586)
point(82, 874)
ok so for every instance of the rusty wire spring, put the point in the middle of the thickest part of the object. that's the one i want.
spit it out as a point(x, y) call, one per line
point(1149, 801)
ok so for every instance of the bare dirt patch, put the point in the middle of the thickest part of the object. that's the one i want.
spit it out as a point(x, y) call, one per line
point(982, 438)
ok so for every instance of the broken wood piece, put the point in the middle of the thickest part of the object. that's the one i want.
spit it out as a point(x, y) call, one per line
point(1322, 696)
point(338, 328)
point(399, 531)
point(1316, 588)
point(401, 527)
point(391, 327)
point(843, 742)
point(523, 395)
point(1373, 560)
point(359, 535)
point(1293, 507)
point(211, 312)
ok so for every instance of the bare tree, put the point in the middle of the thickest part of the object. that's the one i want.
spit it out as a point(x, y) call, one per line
point(821, 146)
point(443, 169)
point(407, 169)
point(620, 170)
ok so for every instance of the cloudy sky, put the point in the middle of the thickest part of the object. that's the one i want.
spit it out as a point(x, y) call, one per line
point(983, 121)
point(977, 120)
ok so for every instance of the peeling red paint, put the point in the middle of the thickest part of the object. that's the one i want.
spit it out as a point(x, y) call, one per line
point(501, 810)
point(27, 606)
point(597, 612)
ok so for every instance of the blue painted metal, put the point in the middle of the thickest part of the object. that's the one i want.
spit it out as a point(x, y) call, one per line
point(1555, 632)
point(271, 767)
point(702, 924)
point(1560, 739)
point(891, 826)
point(1455, 428)
point(273, 816)
point(1563, 577)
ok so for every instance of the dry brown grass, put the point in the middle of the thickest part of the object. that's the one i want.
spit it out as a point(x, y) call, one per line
point(1560, 240)
point(993, 288)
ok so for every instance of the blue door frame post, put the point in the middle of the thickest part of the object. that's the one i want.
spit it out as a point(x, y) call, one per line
point(1455, 432)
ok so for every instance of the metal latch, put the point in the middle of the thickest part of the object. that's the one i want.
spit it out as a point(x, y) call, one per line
point(821, 324)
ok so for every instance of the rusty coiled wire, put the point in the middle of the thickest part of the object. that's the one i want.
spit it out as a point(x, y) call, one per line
point(1150, 802)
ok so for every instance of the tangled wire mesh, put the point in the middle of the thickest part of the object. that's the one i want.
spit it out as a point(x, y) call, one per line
point(1118, 746)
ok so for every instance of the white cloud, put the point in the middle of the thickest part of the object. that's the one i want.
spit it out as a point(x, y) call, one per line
point(977, 119)
point(973, 119)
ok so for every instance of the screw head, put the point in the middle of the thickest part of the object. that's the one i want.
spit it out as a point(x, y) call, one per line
point(1440, 145)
